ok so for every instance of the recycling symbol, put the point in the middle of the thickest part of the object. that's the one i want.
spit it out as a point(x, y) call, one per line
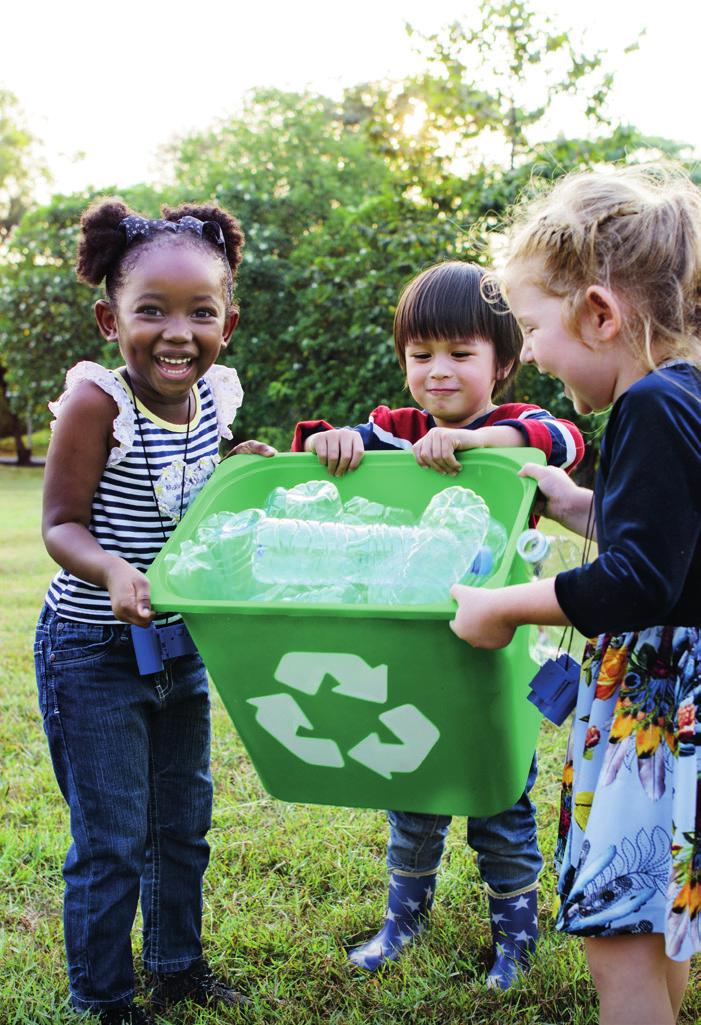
point(281, 716)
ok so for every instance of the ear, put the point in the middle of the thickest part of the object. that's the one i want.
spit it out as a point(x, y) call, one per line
point(603, 314)
point(106, 320)
point(230, 323)
point(503, 372)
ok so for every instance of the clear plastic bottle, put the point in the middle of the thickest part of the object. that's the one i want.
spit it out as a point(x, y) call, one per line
point(361, 510)
point(311, 500)
point(398, 565)
point(547, 555)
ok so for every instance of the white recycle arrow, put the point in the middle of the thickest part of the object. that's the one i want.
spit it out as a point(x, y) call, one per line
point(281, 717)
point(416, 733)
point(305, 670)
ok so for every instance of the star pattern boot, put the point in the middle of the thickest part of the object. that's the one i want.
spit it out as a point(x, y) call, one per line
point(514, 922)
point(409, 904)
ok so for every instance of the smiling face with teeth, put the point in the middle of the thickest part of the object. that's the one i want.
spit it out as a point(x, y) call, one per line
point(171, 321)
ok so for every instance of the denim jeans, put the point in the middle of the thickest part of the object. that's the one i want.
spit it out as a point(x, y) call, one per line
point(506, 844)
point(131, 756)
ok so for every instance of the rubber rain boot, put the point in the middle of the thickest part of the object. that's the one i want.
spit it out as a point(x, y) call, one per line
point(514, 923)
point(409, 904)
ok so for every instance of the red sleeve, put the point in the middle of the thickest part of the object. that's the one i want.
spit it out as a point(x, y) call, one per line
point(560, 440)
point(305, 429)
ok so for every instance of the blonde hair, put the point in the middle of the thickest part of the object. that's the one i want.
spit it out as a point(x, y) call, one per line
point(635, 230)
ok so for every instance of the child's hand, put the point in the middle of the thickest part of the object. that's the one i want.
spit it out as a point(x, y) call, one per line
point(436, 449)
point(341, 450)
point(251, 448)
point(130, 594)
point(558, 495)
point(480, 618)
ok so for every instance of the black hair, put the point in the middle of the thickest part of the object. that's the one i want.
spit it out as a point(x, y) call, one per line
point(104, 254)
point(455, 301)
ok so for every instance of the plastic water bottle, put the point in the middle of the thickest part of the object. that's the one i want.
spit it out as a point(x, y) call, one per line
point(313, 553)
point(422, 570)
point(460, 510)
point(397, 564)
point(311, 500)
point(362, 510)
point(546, 556)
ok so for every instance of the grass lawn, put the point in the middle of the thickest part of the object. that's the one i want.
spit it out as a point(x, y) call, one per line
point(289, 886)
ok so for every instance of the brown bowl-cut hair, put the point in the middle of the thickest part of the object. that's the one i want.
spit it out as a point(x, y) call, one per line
point(457, 301)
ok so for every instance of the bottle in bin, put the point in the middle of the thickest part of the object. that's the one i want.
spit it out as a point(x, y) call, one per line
point(546, 556)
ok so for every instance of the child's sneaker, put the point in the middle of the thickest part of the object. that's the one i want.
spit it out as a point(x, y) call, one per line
point(197, 983)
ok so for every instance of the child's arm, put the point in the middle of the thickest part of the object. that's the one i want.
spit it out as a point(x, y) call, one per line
point(437, 448)
point(488, 618)
point(76, 460)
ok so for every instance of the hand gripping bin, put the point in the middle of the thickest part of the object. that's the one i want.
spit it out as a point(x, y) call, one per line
point(361, 705)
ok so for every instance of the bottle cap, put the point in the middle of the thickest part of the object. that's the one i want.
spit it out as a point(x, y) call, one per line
point(483, 562)
point(532, 545)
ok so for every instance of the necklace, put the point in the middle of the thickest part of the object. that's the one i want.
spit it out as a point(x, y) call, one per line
point(146, 459)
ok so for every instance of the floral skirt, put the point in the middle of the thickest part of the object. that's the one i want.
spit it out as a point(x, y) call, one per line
point(629, 846)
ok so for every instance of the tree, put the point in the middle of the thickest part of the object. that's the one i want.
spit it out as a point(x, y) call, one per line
point(342, 202)
point(46, 318)
point(21, 168)
point(287, 165)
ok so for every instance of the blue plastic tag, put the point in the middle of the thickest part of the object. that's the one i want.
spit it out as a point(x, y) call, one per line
point(554, 688)
point(152, 645)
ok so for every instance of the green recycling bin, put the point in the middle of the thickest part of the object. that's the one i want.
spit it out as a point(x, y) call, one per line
point(361, 705)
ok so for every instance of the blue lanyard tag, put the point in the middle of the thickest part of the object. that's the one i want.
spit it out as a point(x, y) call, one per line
point(554, 688)
point(154, 645)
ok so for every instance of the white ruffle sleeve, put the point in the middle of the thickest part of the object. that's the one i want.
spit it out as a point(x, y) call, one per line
point(228, 395)
point(124, 423)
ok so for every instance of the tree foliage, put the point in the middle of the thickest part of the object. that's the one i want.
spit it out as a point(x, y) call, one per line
point(342, 202)
point(46, 314)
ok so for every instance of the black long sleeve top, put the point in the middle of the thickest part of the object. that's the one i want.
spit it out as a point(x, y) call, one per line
point(647, 500)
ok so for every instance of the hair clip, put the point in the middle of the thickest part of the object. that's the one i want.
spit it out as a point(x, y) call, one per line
point(135, 227)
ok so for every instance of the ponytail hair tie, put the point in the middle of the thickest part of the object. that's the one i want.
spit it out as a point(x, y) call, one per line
point(135, 227)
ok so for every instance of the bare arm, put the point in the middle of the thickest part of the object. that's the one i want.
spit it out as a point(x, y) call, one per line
point(488, 618)
point(76, 460)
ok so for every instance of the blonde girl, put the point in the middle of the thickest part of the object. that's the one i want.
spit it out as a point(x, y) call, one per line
point(604, 278)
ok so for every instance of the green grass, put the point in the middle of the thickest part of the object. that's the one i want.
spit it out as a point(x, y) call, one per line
point(289, 886)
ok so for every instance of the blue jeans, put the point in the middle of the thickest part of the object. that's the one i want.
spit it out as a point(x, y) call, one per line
point(508, 857)
point(131, 756)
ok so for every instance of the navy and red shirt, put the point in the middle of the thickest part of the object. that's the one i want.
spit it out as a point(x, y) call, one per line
point(389, 429)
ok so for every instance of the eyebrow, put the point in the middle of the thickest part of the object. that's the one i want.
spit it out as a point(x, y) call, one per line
point(204, 297)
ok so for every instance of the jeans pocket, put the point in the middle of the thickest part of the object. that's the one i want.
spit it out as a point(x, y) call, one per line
point(75, 643)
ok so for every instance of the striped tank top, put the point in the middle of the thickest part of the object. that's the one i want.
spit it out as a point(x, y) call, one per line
point(124, 517)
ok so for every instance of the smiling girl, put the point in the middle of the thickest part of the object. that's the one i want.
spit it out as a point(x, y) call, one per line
point(604, 277)
point(129, 451)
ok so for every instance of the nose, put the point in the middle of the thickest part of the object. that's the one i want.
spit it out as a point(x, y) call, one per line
point(526, 355)
point(177, 328)
point(440, 367)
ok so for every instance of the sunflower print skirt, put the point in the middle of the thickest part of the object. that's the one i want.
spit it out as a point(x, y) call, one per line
point(629, 845)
